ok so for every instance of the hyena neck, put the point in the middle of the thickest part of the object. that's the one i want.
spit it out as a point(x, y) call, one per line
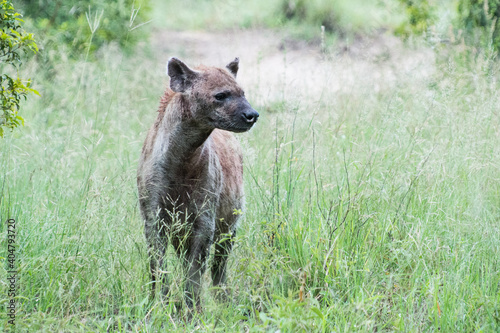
point(185, 145)
point(187, 142)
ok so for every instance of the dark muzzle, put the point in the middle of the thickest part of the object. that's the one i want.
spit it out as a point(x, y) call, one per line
point(250, 115)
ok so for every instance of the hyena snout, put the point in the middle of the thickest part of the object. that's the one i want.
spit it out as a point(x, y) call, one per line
point(250, 116)
point(246, 116)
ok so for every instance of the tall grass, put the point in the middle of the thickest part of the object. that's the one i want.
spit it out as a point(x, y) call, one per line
point(389, 204)
point(373, 210)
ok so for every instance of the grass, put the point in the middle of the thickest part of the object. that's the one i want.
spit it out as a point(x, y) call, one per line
point(368, 210)
point(302, 19)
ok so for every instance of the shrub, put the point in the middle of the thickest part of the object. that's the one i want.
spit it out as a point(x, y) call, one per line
point(480, 18)
point(87, 24)
point(13, 42)
point(419, 17)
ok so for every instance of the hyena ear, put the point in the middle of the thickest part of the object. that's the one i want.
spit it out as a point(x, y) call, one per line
point(233, 66)
point(181, 76)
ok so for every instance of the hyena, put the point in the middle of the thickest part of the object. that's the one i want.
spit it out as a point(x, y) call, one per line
point(190, 175)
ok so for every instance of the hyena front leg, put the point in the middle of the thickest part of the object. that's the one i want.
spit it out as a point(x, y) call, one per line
point(195, 264)
point(157, 248)
point(222, 250)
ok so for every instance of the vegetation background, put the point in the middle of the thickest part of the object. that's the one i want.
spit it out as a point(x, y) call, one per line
point(372, 176)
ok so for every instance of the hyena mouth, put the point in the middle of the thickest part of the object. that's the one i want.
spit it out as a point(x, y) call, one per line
point(241, 129)
point(245, 125)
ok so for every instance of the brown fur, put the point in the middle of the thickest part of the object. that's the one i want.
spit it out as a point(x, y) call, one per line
point(190, 175)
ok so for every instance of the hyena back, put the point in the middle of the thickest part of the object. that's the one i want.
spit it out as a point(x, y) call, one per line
point(190, 175)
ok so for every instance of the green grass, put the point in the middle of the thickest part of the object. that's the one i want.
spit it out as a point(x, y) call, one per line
point(302, 19)
point(382, 206)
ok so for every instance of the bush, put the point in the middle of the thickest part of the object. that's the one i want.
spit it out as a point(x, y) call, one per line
point(87, 24)
point(419, 17)
point(13, 42)
point(480, 18)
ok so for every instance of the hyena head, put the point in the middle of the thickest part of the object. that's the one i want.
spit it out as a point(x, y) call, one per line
point(215, 99)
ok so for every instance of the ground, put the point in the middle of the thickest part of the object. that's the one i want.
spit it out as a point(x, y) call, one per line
point(270, 60)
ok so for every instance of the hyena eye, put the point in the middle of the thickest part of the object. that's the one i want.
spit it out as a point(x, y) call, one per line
point(221, 96)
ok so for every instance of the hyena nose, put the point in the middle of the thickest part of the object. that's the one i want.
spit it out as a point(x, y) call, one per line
point(250, 115)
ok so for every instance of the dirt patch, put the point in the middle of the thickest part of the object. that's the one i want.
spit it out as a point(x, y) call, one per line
point(272, 66)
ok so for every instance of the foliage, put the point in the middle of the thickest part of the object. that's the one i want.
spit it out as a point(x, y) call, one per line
point(419, 17)
point(480, 18)
point(87, 24)
point(13, 42)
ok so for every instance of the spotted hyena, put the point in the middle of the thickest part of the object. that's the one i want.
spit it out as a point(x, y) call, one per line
point(190, 175)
